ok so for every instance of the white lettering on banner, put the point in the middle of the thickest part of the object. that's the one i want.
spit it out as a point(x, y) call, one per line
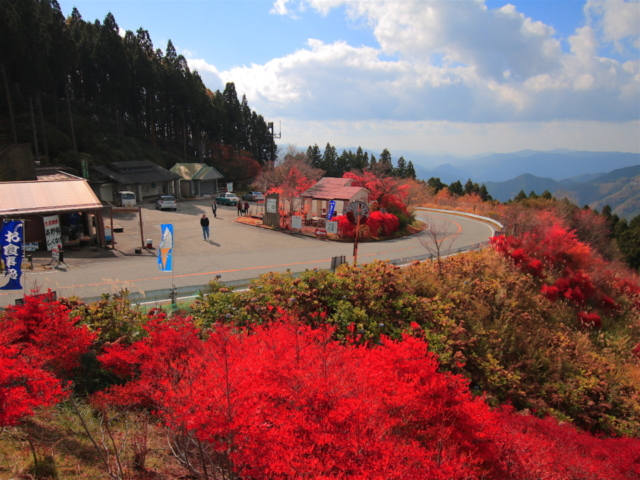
point(10, 250)
point(11, 262)
point(13, 237)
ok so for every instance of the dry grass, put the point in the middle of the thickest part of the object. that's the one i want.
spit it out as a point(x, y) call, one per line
point(58, 433)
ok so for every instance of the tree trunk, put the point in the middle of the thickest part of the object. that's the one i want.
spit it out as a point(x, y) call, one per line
point(45, 146)
point(35, 134)
point(184, 136)
point(55, 105)
point(73, 132)
point(9, 105)
point(152, 122)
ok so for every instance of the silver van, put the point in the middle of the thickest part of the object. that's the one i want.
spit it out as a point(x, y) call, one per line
point(125, 199)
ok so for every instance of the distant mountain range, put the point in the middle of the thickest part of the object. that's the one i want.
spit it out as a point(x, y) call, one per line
point(620, 189)
point(497, 167)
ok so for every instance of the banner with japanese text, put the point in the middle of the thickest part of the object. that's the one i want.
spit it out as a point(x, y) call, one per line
point(11, 250)
point(165, 249)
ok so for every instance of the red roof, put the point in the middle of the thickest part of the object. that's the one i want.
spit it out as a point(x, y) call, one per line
point(329, 188)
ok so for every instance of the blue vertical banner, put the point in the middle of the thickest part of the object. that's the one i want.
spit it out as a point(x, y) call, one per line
point(332, 210)
point(11, 246)
point(165, 250)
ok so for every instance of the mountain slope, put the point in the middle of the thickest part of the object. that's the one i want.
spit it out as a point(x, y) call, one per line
point(620, 189)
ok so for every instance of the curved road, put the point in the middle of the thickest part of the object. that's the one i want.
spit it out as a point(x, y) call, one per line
point(235, 252)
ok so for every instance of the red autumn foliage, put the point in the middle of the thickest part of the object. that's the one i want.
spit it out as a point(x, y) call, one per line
point(378, 225)
point(550, 250)
point(387, 192)
point(286, 401)
point(590, 319)
point(39, 345)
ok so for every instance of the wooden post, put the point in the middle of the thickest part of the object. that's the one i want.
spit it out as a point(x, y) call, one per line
point(141, 232)
point(113, 236)
point(355, 244)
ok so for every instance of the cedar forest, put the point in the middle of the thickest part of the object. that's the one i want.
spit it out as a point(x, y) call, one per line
point(518, 361)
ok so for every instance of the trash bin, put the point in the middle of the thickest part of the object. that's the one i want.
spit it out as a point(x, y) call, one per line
point(149, 243)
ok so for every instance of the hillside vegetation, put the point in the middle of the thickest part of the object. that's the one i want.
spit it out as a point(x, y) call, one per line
point(523, 357)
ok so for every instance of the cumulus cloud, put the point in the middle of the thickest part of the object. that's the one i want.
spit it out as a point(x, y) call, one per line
point(455, 61)
point(619, 21)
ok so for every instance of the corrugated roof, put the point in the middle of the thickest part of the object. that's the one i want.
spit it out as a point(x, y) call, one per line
point(330, 188)
point(46, 196)
point(142, 172)
point(195, 171)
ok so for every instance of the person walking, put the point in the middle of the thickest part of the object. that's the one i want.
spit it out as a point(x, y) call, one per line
point(239, 207)
point(214, 209)
point(246, 208)
point(204, 223)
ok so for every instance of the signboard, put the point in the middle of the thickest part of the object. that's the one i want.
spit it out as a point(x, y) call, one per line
point(85, 168)
point(165, 249)
point(230, 187)
point(11, 246)
point(296, 222)
point(358, 211)
point(52, 231)
point(272, 205)
point(332, 227)
point(55, 253)
point(332, 209)
point(320, 232)
point(31, 246)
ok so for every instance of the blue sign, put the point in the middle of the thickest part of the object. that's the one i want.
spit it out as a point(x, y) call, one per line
point(165, 250)
point(11, 245)
point(332, 209)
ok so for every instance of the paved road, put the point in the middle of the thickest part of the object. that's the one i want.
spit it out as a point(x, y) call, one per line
point(235, 252)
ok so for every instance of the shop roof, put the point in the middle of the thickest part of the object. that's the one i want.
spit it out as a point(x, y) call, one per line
point(330, 188)
point(26, 198)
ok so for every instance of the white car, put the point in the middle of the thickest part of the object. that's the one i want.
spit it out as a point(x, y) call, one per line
point(166, 202)
point(228, 198)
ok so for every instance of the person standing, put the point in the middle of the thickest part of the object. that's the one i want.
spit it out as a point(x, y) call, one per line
point(246, 208)
point(214, 209)
point(204, 223)
point(239, 207)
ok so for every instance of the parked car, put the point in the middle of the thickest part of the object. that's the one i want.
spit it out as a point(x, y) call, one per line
point(125, 199)
point(166, 202)
point(228, 198)
point(253, 196)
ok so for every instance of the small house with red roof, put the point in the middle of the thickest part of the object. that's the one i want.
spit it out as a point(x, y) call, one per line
point(316, 198)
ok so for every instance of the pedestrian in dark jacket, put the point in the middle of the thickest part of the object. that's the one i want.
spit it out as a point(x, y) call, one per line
point(246, 208)
point(204, 223)
point(239, 207)
point(214, 209)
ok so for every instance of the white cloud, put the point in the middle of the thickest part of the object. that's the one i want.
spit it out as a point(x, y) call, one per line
point(456, 61)
point(446, 71)
point(619, 20)
point(463, 138)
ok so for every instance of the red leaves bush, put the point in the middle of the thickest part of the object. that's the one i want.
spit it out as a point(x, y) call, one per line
point(39, 347)
point(285, 401)
point(378, 225)
point(549, 250)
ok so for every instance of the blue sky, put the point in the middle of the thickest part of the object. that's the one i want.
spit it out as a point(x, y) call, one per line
point(461, 77)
